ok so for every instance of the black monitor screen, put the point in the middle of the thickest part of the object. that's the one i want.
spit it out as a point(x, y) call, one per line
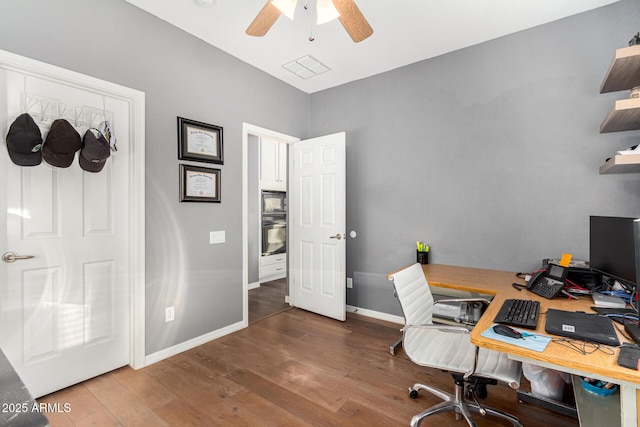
point(612, 247)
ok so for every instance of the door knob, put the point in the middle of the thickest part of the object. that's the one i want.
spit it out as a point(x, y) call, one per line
point(337, 236)
point(12, 257)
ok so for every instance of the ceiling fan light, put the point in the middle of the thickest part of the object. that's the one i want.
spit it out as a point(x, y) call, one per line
point(287, 7)
point(326, 11)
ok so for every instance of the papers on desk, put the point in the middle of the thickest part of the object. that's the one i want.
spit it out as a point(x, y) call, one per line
point(535, 342)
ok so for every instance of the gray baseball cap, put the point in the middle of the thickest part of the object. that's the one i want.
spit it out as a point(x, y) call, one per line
point(95, 151)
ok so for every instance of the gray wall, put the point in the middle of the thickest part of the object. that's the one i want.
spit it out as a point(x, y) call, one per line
point(181, 76)
point(489, 154)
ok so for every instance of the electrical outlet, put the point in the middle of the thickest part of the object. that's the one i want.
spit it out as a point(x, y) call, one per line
point(169, 314)
point(349, 282)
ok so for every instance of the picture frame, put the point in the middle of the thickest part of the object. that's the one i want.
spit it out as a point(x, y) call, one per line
point(199, 141)
point(199, 184)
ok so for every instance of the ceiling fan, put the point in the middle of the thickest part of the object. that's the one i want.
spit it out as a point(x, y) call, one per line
point(350, 17)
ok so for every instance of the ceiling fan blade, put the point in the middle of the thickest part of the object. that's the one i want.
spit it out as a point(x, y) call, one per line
point(265, 19)
point(353, 20)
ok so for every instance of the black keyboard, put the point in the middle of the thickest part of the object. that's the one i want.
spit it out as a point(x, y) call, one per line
point(519, 312)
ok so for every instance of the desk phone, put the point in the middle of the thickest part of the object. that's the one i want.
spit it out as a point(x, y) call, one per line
point(548, 283)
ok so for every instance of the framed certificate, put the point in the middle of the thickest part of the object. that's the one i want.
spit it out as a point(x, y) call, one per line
point(199, 141)
point(198, 184)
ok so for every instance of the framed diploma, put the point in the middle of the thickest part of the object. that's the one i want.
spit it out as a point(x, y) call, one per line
point(198, 184)
point(199, 141)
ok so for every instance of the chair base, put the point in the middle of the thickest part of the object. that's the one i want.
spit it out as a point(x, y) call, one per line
point(457, 403)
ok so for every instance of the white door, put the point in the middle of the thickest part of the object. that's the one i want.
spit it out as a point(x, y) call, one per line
point(317, 222)
point(65, 313)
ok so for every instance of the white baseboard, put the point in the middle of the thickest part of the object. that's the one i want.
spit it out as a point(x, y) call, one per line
point(265, 279)
point(192, 343)
point(254, 285)
point(376, 314)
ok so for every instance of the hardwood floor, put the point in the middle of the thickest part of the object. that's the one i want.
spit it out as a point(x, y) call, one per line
point(294, 368)
point(267, 300)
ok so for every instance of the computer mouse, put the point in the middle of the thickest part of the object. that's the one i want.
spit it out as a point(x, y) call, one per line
point(506, 331)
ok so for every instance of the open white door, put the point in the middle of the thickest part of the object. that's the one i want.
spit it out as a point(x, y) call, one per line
point(317, 225)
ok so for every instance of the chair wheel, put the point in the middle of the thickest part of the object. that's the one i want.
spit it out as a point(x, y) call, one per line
point(413, 393)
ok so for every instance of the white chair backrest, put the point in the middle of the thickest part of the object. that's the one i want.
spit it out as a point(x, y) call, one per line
point(414, 294)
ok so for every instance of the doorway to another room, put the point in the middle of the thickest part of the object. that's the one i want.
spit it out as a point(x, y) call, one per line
point(268, 299)
point(265, 222)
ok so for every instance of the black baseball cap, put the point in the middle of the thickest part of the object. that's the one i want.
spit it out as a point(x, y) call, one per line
point(24, 141)
point(95, 151)
point(61, 144)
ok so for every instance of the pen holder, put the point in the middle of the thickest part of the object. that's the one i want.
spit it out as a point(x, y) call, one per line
point(422, 257)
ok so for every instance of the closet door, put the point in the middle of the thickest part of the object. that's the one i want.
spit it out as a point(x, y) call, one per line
point(65, 312)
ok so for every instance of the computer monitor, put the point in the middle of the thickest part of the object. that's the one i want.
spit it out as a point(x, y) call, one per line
point(614, 248)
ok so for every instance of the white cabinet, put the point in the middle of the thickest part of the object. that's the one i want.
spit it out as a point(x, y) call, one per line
point(273, 164)
point(273, 267)
point(272, 176)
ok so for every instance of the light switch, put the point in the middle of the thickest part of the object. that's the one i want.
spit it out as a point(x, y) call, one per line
point(216, 237)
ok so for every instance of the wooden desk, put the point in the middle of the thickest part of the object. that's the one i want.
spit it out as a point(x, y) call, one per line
point(498, 283)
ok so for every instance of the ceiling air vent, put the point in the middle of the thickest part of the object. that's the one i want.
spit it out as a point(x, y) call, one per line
point(306, 67)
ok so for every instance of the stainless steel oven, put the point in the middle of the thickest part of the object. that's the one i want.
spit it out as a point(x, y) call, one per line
point(274, 234)
point(274, 222)
point(274, 202)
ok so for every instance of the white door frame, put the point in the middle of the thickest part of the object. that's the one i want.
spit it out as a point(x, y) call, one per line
point(136, 100)
point(249, 129)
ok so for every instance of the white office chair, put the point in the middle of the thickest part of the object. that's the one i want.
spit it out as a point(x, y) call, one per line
point(448, 348)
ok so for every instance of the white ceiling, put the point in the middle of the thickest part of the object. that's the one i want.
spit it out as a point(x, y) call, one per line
point(405, 31)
